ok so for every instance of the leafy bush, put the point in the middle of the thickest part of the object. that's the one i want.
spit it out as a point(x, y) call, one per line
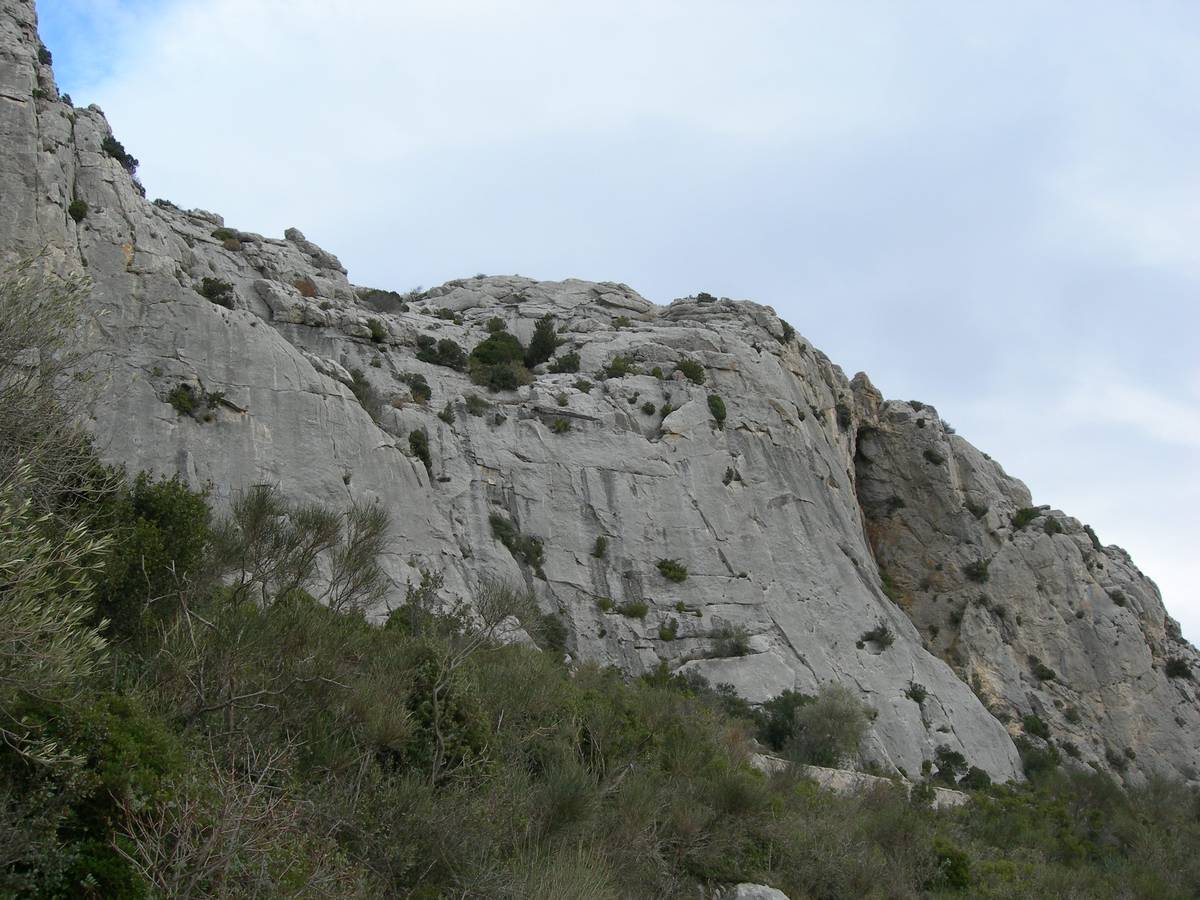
point(561, 426)
point(365, 393)
point(600, 548)
point(497, 363)
point(789, 333)
point(668, 630)
point(45, 57)
point(476, 405)
point(524, 548)
point(665, 410)
point(620, 322)
point(934, 458)
point(218, 291)
point(828, 730)
point(447, 413)
point(1035, 726)
point(618, 367)
point(495, 324)
point(1041, 671)
point(881, 634)
point(418, 443)
point(78, 210)
point(633, 609)
point(582, 384)
point(692, 370)
point(729, 641)
point(114, 148)
point(1178, 667)
point(378, 332)
point(672, 570)
point(1024, 516)
point(916, 692)
point(544, 342)
point(568, 362)
point(978, 570)
point(648, 408)
point(845, 416)
point(716, 406)
point(418, 386)
point(444, 352)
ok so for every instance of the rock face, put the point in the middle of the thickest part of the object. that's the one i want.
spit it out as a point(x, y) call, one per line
point(300, 379)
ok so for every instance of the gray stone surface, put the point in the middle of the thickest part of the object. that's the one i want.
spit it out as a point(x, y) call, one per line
point(753, 892)
point(780, 552)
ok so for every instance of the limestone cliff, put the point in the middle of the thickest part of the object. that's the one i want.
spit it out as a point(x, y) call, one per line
point(298, 378)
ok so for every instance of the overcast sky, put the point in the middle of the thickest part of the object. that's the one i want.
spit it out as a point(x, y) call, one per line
point(996, 211)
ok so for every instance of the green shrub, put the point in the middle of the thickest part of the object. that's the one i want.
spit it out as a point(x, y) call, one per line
point(716, 406)
point(881, 634)
point(978, 570)
point(45, 57)
point(418, 443)
point(1024, 516)
point(524, 548)
point(618, 367)
point(729, 641)
point(950, 764)
point(648, 408)
point(672, 570)
point(568, 362)
point(605, 604)
point(633, 609)
point(562, 399)
point(692, 370)
point(829, 730)
point(789, 333)
point(1041, 671)
point(495, 324)
point(890, 588)
point(845, 416)
point(418, 386)
point(114, 148)
point(78, 210)
point(665, 410)
point(1117, 597)
point(668, 630)
point(620, 322)
point(582, 384)
point(447, 414)
point(1178, 667)
point(225, 234)
point(497, 363)
point(378, 332)
point(561, 426)
point(544, 342)
point(916, 692)
point(600, 548)
point(1053, 526)
point(476, 405)
point(444, 352)
point(365, 394)
point(1035, 760)
point(1035, 726)
point(184, 398)
point(218, 291)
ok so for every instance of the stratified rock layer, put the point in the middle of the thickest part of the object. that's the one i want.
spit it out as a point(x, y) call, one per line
point(764, 512)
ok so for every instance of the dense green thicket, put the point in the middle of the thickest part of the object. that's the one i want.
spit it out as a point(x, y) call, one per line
point(191, 705)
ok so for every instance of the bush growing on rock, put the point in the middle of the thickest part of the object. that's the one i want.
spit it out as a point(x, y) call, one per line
point(544, 342)
point(618, 367)
point(445, 352)
point(648, 408)
point(378, 332)
point(829, 730)
point(78, 210)
point(561, 426)
point(366, 394)
point(418, 443)
point(495, 324)
point(978, 570)
point(633, 609)
point(115, 149)
point(672, 570)
point(716, 406)
point(934, 458)
point(218, 291)
point(1024, 516)
point(1034, 725)
point(498, 363)
point(1178, 667)
point(729, 641)
point(692, 370)
point(881, 635)
point(524, 548)
point(567, 363)
point(600, 548)
point(418, 386)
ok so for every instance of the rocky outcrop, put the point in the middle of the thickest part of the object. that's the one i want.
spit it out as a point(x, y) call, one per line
point(303, 380)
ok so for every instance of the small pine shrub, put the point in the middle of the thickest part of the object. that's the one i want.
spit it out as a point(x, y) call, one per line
point(621, 322)
point(495, 325)
point(115, 149)
point(881, 634)
point(672, 570)
point(582, 384)
point(567, 363)
point(890, 588)
point(618, 367)
point(657, 372)
point(916, 692)
point(633, 609)
point(544, 342)
point(729, 641)
point(668, 630)
point(447, 414)
point(418, 443)
point(605, 604)
point(366, 395)
point(78, 210)
point(218, 291)
point(1034, 725)
point(562, 399)
point(977, 571)
point(600, 548)
point(845, 416)
point(692, 370)
point(648, 408)
point(378, 332)
point(1041, 671)
point(1024, 516)
point(789, 333)
point(1053, 526)
point(1178, 667)
point(476, 405)
point(45, 57)
point(225, 234)
point(524, 548)
point(417, 386)
point(561, 426)
point(184, 399)
point(665, 410)
point(716, 406)
point(444, 352)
